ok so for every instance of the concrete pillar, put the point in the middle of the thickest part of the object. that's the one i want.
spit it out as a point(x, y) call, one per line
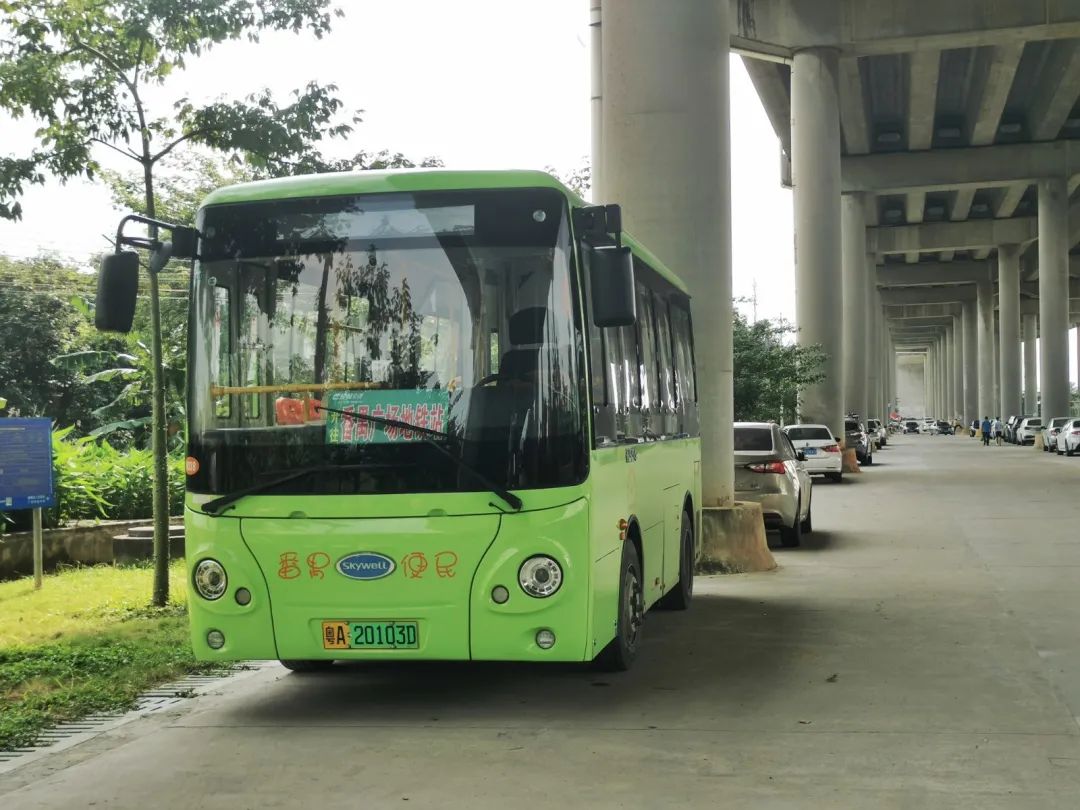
point(856, 281)
point(986, 404)
point(893, 385)
point(596, 105)
point(944, 353)
point(1054, 297)
point(997, 366)
point(950, 373)
point(1031, 374)
point(969, 327)
point(1009, 322)
point(874, 353)
point(958, 368)
point(665, 76)
point(815, 166)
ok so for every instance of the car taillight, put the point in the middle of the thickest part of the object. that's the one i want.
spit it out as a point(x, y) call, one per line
point(776, 467)
point(1076, 433)
point(831, 448)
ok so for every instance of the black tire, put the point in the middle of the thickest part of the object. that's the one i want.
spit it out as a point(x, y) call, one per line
point(679, 597)
point(619, 654)
point(869, 461)
point(836, 478)
point(1068, 451)
point(306, 666)
point(807, 525)
point(791, 537)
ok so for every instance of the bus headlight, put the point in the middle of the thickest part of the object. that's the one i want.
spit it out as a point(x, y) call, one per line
point(540, 576)
point(210, 579)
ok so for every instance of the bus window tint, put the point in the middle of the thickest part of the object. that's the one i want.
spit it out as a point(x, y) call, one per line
point(220, 351)
point(663, 342)
point(647, 347)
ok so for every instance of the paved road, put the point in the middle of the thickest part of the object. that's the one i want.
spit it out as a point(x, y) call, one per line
point(922, 650)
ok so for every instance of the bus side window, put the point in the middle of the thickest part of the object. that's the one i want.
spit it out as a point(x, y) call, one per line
point(666, 396)
point(685, 389)
point(646, 334)
point(605, 395)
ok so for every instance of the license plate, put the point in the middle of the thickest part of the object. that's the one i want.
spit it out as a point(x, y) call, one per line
point(810, 451)
point(361, 635)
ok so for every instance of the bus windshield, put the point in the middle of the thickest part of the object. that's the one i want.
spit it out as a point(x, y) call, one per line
point(454, 311)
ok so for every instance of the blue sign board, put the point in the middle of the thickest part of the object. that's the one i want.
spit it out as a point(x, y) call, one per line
point(26, 470)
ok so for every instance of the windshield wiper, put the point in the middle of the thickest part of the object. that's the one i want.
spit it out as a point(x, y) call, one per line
point(216, 506)
point(426, 434)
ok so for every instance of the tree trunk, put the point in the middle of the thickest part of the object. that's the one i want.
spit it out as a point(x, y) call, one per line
point(157, 429)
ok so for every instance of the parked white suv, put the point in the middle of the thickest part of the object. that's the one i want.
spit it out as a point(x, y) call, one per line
point(1025, 434)
point(1068, 438)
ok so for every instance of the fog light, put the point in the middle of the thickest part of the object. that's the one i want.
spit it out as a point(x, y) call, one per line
point(210, 579)
point(243, 596)
point(540, 576)
point(499, 595)
point(215, 639)
point(545, 639)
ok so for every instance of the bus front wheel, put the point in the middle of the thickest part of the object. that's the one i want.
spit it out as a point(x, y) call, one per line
point(619, 655)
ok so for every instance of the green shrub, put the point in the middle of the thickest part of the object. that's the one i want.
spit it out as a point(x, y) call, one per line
point(94, 480)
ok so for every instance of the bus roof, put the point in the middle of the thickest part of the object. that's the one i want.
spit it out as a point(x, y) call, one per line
point(391, 180)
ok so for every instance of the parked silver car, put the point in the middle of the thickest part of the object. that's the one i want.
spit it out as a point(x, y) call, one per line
point(1051, 434)
point(1068, 438)
point(769, 471)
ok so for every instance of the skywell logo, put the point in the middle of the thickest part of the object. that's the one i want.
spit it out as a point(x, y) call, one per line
point(365, 565)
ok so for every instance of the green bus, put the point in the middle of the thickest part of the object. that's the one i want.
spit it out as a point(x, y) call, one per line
point(434, 415)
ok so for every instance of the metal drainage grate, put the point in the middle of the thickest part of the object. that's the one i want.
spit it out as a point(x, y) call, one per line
point(156, 699)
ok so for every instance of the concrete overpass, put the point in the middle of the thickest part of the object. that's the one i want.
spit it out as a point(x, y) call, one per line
point(934, 139)
point(948, 129)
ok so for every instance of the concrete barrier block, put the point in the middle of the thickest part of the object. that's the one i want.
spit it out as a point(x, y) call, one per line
point(850, 462)
point(733, 540)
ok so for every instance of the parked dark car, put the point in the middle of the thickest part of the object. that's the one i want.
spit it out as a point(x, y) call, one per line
point(855, 437)
point(911, 426)
point(944, 428)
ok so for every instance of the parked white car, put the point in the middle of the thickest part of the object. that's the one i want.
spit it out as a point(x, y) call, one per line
point(819, 446)
point(877, 432)
point(1068, 438)
point(1052, 428)
point(929, 425)
point(1025, 434)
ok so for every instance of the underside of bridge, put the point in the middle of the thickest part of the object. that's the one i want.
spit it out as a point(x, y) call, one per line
point(959, 137)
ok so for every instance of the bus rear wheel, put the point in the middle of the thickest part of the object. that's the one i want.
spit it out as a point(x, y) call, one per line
point(306, 666)
point(679, 597)
point(619, 655)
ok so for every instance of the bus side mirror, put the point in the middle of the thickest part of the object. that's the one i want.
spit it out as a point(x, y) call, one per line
point(184, 242)
point(118, 283)
point(611, 270)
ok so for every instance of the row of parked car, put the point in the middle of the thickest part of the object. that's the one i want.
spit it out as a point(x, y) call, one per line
point(773, 466)
point(929, 425)
point(1061, 434)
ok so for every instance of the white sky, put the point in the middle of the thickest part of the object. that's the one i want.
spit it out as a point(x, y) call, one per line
point(478, 83)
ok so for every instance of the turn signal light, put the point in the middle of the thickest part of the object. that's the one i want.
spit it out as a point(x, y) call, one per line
point(775, 467)
point(831, 448)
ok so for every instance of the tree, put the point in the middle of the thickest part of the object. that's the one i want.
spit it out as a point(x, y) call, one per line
point(769, 372)
point(81, 70)
point(578, 180)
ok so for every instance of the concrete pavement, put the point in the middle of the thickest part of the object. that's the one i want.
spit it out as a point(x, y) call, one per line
point(921, 650)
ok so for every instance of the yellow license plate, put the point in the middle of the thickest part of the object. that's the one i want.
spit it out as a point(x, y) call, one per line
point(370, 635)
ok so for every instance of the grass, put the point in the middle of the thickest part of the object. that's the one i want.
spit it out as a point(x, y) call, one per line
point(86, 642)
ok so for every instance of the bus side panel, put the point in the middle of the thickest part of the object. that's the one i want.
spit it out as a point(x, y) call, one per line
point(507, 632)
point(248, 629)
point(685, 467)
point(612, 498)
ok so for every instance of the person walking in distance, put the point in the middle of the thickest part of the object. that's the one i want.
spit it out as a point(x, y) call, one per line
point(998, 430)
point(986, 427)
